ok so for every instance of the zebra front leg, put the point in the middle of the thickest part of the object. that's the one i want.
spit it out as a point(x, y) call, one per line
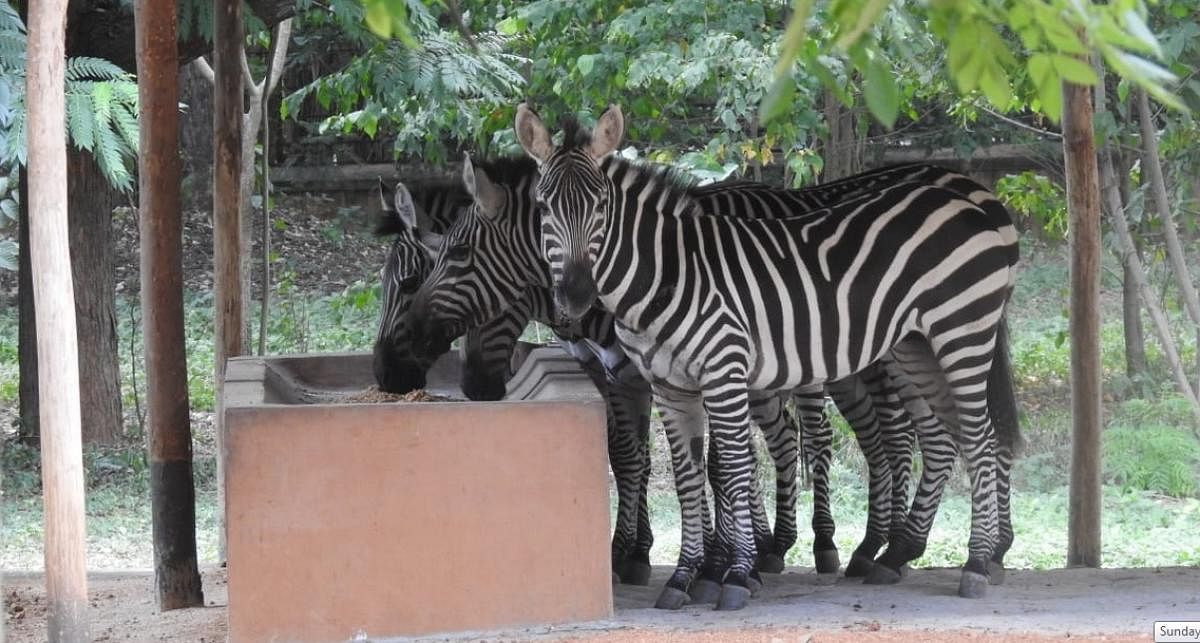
point(629, 452)
point(817, 437)
point(780, 435)
point(683, 423)
point(626, 455)
point(726, 401)
point(851, 398)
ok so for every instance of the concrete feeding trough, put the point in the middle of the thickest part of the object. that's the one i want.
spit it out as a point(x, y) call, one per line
point(347, 520)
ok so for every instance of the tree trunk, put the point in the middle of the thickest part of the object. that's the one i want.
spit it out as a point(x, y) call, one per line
point(26, 326)
point(1083, 203)
point(90, 202)
point(843, 149)
point(1131, 300)
point(1152, 167)
point(58, 372)
point(196, 136)
point(172, 494)
point(227, 159)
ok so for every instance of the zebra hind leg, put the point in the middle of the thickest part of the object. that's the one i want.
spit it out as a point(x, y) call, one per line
point(850, 395)
point(817, 437)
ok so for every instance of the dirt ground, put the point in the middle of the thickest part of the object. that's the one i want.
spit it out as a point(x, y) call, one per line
point(798, 606)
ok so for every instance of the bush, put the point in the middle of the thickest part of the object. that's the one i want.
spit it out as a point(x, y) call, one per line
point(1155, 455)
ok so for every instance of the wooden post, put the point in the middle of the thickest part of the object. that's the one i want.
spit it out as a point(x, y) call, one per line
point(1083, 205)
point(227, 161)
point(172, 494)
point(54, 302)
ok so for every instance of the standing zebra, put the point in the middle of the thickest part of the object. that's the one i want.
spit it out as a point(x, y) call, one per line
point(712, 307)
point(492, 247)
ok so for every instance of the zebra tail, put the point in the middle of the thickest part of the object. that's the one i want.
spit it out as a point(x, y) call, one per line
point(1002, 399)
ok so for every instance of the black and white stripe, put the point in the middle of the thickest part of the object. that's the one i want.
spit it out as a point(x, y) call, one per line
point(712, 307)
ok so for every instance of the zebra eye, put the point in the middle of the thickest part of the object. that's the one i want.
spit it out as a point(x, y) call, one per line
point(458, 251)
point(409, 284)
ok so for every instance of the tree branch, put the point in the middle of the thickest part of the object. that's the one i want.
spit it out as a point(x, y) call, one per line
point(279, 48)
point(201, 66)
point(1011, 121)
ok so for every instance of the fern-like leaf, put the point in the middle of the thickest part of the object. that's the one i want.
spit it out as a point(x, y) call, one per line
point(85, 68)
point(102, 96)
point(125, 120)
point(110, 159)
point(80, 121)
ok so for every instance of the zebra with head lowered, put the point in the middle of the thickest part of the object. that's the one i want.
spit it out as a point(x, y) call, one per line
point(712, 307)
point(495, 248)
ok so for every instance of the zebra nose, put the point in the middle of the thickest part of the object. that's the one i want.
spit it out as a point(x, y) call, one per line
point(576, 291)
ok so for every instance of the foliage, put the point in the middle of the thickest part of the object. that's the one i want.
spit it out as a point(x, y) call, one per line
point(444, 89)
point(1037, 197)
point(9, 202)
point(101, 106)
point(1152, 457)
point(1053, 39)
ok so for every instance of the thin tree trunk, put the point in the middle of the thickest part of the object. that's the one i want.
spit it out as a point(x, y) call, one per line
point(1083, 202)
point(58, 372)
point(227, 155)
point(843, 149)
point(90, 202)
point(173, 498)
point(195, 136)
point(26, 325)
point(1152, 167)
point(1135, 335)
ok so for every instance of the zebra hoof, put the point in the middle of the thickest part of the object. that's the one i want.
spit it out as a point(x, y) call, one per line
point(635, 573)
point(882, 575)
point(827, 561)
point(705, 591)
point(995, 573)
point(755, 584)
point(972, 585)
point(770, 564)
point(859, 566)
point(733, 597)
point(671, 599)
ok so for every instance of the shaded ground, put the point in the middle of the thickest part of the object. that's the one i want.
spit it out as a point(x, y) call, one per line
point(1078, 604)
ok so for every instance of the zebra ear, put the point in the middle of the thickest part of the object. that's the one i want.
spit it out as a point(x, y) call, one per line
point(406, 210)
point(487, 196)
point(608, 132)
point(532, 134)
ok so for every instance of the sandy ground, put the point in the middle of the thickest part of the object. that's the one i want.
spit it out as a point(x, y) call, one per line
point(1077, 604)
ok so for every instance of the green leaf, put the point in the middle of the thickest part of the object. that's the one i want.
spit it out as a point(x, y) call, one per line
point(778, 100)
point(793, 39)
point(510, 26)
point(994, 83)
point(585, 63)
point(866, 13)
point(1137, 28)
point(1049, 90)
point(882, 95)
point(378, 18)
point(1074, 70)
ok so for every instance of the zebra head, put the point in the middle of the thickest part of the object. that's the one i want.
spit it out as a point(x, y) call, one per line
point(488, 257)
point(574, 193)
point(397, 368)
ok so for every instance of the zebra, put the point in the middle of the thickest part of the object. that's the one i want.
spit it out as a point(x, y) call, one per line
point(416, 219)
point(458, 313)
point(712, 307)
point(413, 227)
point(476, 306)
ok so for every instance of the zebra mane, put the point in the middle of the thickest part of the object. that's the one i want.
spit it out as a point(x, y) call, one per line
point(677, 182)
point(575, 135)
point(507, 170)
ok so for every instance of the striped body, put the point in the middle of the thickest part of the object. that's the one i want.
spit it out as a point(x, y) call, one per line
point(712, 307)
